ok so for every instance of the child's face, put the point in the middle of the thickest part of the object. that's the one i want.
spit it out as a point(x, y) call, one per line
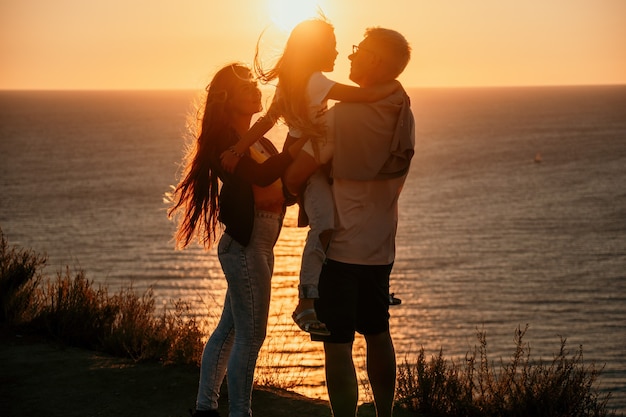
point(328, 53)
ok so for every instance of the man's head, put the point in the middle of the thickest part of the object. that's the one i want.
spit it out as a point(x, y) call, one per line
point(380, 57)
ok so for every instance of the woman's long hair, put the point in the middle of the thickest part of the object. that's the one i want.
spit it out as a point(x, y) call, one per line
point(299, 60)
point(195, 198)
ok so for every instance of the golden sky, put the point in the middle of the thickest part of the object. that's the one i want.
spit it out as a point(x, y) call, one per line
point(167, 44)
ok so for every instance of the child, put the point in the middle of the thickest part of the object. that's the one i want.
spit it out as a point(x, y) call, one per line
point(301, 100)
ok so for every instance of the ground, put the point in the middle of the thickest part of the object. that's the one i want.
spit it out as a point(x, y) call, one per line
point(42, 378)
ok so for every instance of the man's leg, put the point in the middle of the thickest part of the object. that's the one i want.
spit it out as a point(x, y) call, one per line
point(341, 382)
point(381, 371)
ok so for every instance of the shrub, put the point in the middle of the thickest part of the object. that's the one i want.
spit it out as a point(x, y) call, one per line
point(124, 324)
point(20, 276)
point(184, 333)
point(71, 310)
point(520, 388)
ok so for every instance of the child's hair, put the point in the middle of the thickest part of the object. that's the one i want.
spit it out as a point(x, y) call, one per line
point(301, 57)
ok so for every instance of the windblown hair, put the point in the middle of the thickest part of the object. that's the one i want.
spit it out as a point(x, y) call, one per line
point(299, 60)
point(393, 46)
point(195, 198)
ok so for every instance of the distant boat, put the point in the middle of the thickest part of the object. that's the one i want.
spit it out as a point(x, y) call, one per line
point(538, 159)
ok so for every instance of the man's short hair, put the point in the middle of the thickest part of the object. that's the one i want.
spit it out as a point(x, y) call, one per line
point(393, 46)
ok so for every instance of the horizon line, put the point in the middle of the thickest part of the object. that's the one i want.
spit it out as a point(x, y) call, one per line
point(424, 87)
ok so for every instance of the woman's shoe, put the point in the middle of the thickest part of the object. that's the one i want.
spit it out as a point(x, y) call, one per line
point(308, 322)
point(204, 413)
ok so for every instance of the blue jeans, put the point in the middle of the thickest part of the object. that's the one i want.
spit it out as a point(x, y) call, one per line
point(234, 345)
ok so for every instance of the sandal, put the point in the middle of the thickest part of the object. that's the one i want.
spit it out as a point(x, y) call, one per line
point(394, 301)
point(308, 322)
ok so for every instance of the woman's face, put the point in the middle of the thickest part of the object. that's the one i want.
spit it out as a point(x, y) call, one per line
point(245, 97)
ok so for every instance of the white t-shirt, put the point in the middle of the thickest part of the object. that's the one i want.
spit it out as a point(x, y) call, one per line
point(366, 204)
point(317, 90)
point(366, 219)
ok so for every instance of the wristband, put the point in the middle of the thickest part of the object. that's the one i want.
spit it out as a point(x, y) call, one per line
point(234, 152)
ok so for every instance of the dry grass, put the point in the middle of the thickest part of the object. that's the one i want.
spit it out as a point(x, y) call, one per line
point(20, 277)
point(520, 388)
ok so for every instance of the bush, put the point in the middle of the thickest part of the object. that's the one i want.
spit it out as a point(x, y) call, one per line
point(71, 310)
point(184, 335)
point(520, 388)
point(20, 276)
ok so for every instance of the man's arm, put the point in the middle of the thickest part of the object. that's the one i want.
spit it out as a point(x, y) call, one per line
point(352, 94)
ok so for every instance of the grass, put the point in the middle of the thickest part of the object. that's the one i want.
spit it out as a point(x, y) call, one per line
point(519, 388)
point(70, 309)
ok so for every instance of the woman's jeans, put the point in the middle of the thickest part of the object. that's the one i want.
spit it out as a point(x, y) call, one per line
point(235, 343)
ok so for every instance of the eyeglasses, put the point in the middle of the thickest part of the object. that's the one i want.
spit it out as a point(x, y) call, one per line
point(357, 48)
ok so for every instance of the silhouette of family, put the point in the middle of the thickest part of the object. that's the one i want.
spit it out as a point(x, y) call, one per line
point(345, 166)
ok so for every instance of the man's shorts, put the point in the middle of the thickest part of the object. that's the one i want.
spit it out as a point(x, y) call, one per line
point(353, 298)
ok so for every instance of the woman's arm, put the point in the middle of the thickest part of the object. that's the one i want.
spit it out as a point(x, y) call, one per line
point(352, 94)
point(268, 171)
point(264, 173)
point(230, 157)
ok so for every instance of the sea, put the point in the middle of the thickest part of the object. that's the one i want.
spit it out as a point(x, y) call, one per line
point(513, 217)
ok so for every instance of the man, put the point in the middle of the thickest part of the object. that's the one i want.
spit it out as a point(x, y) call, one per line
point(372, 151)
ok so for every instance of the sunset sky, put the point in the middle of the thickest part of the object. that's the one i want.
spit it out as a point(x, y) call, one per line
point(166, 44)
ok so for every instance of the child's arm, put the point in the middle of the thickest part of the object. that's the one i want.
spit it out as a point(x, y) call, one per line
point(352, 94)
point(231, 157)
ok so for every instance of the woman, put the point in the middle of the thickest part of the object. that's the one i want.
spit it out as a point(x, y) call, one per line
point(250, 205)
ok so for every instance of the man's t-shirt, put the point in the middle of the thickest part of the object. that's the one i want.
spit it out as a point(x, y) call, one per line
point(366, 218)
point(373, 148)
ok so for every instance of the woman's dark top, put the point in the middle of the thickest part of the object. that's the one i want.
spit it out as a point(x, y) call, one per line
point(236, 199)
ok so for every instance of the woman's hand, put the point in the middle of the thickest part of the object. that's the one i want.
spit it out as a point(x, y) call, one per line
point(229, 159)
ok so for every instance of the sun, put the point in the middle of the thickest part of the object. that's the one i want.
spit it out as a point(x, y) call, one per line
point(288, 13)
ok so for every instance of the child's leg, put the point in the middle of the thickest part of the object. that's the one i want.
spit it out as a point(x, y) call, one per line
point(318, 203)
point(300, 170)
point(319, 206)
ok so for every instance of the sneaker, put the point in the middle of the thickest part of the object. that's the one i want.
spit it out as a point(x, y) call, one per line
point(394, 301)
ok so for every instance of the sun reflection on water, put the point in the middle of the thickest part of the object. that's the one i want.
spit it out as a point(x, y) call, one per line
point(288, 358)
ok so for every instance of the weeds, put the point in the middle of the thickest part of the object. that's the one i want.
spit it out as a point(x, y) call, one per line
point(519, 388)
point(276, 370)
point(20, 276)
point(71, 310)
